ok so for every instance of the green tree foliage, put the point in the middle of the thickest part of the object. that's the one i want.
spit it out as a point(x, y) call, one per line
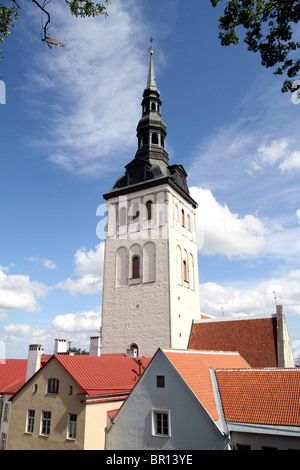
point(78, 351)
point(268, 30)
point(10, 12)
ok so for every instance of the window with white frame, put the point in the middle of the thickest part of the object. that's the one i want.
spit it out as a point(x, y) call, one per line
point(161, 423)
point(45, 423)
point(30, 421)
point(72, 421)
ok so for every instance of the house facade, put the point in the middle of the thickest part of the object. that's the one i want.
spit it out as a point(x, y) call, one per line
point(64, 404)
point(172, 407)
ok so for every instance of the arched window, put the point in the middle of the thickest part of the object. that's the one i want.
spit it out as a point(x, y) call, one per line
point(136, 348)
point(149, 210)
point(184, 271)
point(153, 107)
point(135, 267)
point(52, 385)
point(145, 139)
point(182, 218)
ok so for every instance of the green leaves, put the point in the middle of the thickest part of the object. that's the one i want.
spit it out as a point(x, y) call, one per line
point(268, 28)
point(85, 8)
point(8, 16)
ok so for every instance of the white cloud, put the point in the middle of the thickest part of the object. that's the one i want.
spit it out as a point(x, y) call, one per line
point(222, 232)
point(292, 162)
point(298, 215)
point(89, 268)
point(78, 322)
point(18, 292)
point(271, 153)
point(252, 299)
point(96, 81)
point(49, 264)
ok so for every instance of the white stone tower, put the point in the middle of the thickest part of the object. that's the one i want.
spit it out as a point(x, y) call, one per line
point(151, 287)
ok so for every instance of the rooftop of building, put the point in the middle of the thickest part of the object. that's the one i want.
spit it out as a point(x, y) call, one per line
point(194, 367)
point(260, 396)
point(255, 337)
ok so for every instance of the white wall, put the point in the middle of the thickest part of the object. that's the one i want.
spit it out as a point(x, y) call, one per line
point(156, 310)
point(191, 427)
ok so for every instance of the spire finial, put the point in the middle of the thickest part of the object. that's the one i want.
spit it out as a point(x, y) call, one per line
point(151, 48)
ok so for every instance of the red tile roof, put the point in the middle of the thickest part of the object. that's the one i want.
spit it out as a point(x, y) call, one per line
point(12, 375)
point(106, 374)
point(194, 367)
point(254, 338)
point(270, 396)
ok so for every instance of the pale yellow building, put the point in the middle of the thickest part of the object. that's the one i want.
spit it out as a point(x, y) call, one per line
point(64, 405)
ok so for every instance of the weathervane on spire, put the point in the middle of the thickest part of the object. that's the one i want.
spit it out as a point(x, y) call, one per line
point(150, 49)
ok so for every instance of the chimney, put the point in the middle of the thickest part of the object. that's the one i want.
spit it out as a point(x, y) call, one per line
point(34, 359)
point(131, 352)
point(95, 346)
point(60, 346)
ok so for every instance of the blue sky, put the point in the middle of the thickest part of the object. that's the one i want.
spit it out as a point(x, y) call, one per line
point(68, 128)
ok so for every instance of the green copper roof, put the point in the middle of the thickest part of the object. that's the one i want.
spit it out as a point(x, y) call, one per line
point(151, 83)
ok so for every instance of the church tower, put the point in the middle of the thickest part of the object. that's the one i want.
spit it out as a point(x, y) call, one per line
point(150, 287)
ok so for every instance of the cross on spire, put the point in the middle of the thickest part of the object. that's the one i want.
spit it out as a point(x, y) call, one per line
point(150, 49)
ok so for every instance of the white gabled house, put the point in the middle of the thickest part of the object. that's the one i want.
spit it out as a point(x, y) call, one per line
point(172, 406)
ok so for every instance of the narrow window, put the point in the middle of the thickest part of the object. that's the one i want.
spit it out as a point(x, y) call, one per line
point(145, 139)
point(6, 412)
point(135, 267)
point(46, 421)
point(35, 387)
point(155, 138)
point(70, 390)
point(161, 423)
point(30, 421)
point(149, 210)
point(182, 218)
point(153, 107)
point(52, 385)
point(72, 421)
point(160, 381)
point(184, 271)
point(3, 441)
